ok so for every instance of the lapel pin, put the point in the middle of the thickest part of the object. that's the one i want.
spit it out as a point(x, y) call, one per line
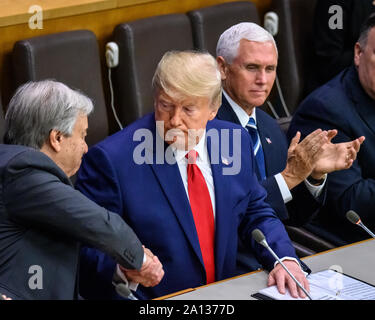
point(225, 161)
point(268, 140)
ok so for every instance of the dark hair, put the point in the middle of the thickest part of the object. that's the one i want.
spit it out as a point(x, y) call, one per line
point(365, 29)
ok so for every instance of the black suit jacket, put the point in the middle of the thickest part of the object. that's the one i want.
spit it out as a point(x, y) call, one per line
point(42, 222)
point(303, 207)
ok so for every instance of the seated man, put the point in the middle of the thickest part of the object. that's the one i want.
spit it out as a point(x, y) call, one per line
point(347, 103)
point(293, 177)
point(43, 219)
point(186, 184)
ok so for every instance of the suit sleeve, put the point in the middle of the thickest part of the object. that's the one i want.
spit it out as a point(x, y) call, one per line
point(259, 215)
point(300, 210)
point(97, 180)
point(35, 198)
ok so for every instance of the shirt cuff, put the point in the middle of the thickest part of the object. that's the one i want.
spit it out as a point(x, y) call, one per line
point(315, 190)
point(130, 284)
point(292, 259)
point(284, 190)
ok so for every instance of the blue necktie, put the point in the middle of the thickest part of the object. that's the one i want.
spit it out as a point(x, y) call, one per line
point(257, 147)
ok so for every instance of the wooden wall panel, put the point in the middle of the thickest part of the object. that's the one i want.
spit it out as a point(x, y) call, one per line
point(100, 22)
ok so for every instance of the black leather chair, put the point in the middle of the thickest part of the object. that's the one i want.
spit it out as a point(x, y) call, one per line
point(210, 22)
point(2, 123)
point(142, 43)
point(295, 46)
point(69, 57)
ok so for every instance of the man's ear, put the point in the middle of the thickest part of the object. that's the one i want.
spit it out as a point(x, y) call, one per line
point(222, 67)
point(358, 50)
point(55, 139)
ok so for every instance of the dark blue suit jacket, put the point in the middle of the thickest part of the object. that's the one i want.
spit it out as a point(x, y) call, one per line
point(342, 104)
point(152, 199)
point(303, 207)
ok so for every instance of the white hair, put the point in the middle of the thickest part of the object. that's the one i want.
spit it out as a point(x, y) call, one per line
point(39, 107)
point(229, 41)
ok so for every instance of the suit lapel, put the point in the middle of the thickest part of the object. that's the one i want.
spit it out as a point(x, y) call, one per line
point(223, 217)
point(171, 183)
point(363, 103)
point(269, 150)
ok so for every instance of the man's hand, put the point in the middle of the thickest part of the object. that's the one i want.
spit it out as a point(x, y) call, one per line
point(150, 274)
point(302, 157)
point(279, 277)
point(333, 157)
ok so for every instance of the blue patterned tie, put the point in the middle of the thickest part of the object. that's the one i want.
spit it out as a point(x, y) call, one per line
point(257, 147)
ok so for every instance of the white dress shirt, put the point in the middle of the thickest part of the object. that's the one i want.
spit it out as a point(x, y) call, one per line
point(203, 163)
point(243, 117)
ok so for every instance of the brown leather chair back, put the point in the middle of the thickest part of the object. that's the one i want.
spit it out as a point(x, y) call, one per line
point(295, 46)
point(142, 43)
point(210, 22)
point(69, 57)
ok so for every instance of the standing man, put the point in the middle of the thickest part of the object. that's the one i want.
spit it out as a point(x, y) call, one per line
point(347, 102)
point(43, 219)
point(185, 183)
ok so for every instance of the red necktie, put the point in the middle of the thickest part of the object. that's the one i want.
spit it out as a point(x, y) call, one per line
point(201, 206)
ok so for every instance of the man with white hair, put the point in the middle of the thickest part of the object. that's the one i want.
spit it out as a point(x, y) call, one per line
point(43, 219)
point(294, 177)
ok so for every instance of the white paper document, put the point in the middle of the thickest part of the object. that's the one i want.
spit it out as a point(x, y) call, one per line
point(329, 285)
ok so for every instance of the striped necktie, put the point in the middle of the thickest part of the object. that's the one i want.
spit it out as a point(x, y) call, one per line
point(257, 147)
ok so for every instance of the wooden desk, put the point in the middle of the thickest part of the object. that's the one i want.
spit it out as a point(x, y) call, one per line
point(357, 260)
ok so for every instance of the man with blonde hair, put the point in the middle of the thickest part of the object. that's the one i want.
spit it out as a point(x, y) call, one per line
point(184, 201)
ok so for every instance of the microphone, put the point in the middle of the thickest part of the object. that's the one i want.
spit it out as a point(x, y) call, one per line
point(261, 239)
point(121, 288)
point(355, 219)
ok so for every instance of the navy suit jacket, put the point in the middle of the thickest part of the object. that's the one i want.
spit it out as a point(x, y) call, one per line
point(152, 199)
point(303, 207)
point(342, 104)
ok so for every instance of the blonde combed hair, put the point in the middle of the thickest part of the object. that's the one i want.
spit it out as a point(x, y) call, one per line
point(189, 73)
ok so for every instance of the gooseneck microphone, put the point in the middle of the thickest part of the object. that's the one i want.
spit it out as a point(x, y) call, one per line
point(261, 239)
point(355, 219)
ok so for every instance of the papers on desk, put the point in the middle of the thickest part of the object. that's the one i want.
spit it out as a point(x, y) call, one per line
point(327, 285)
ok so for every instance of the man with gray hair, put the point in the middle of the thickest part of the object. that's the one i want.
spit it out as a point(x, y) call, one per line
point(294, 177)
point(43, 219)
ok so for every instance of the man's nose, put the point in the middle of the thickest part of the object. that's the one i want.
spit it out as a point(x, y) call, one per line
point(261, 77)
point(175, 117)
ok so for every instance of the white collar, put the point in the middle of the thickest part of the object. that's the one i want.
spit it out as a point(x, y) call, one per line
point(201, 148)
point(240, 113)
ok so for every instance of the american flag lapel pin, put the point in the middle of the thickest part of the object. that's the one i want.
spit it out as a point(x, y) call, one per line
point(268, 140)
point(225, 161)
